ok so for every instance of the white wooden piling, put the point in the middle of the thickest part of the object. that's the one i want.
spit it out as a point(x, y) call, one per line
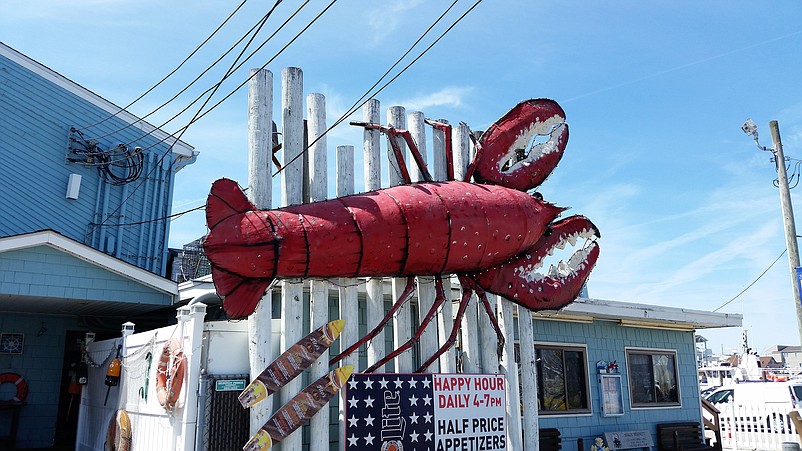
point(426, 288)
point(526, 339)
point(348, 293)
point(508, 367)
point(260, 193)
point(445, 317)
point(292, 129)
point(375, 289)
point(402, 323)
point(318, 289)
point(471, 360)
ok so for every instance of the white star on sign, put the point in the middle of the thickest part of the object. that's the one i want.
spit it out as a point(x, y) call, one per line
point(413, 401)
point(427, 417)
point(369, 439)
point(353, 402)
point(369, 420)
point(398, 383)
point(414, 437)
point(428, 435)
point(369, 402)
point(384, 383)
point(413, 383)
point(369, 383)
point(414, 418)
point(352, 383)
point(426, 383)
point(353, 421)
point(427, 401)
point(352, 440)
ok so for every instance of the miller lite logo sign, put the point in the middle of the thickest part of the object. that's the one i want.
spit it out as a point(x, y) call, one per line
point(426, 412)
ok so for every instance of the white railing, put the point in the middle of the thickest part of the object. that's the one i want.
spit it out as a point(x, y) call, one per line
point(756, 427)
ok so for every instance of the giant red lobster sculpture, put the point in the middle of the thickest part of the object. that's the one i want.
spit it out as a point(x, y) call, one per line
point(491, 234)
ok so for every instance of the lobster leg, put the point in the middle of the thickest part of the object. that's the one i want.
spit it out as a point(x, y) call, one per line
point(463, 306)
point(405, 296)
point(493, 320)
point(438, 301)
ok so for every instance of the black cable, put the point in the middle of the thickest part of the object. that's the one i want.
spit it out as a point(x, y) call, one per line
point(172, 72)
point(754, 282)
point(217, 85)
point(354, 108)
point(164, 155)
point(259, 23)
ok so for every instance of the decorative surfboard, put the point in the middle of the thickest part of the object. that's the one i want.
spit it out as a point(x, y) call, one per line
point(291, 363)
point(299, 409)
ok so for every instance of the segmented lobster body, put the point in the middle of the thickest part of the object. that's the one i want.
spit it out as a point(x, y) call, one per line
point(421, 229)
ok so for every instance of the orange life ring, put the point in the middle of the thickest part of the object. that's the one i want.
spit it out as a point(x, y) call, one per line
point(19, 381)
point(170, 374)
point(118, 437)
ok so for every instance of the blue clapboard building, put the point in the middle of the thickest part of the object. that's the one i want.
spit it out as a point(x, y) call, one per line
point(85, 190)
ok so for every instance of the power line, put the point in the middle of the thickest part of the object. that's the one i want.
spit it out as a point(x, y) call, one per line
point(170, 74)
point(358, 105)
point(754, 282)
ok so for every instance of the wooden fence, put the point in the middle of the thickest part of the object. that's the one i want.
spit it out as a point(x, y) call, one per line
point(477, 339)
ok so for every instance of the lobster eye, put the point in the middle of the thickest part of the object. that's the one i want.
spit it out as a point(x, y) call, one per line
point(537, 195)
point(548, 231)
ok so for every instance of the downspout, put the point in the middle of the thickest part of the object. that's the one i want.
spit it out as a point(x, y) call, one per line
point(120, 222)
point(154, 198)
point(97, 218)
point(141, 257)
point(102, 224)
point(177, 165)
point(154, 250)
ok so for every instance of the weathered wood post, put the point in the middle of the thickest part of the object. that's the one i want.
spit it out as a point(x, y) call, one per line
point(260, 193)
point(375, 289)
point(349, 295)
point(528, 379)
point(402, 323)
point(445, 318)
point(426, 287)
point(318, 289)
point(471, 357)
point(292, 128)
point(508, 367)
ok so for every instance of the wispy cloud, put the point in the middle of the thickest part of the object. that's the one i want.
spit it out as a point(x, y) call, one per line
point(450, 96)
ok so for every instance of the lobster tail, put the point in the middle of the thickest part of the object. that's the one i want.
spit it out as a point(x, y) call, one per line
point(521, 281)
point(241, 295)
point(226, 199)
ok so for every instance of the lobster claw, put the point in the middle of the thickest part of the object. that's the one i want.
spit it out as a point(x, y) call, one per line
point(506, 154)
point(519, 280)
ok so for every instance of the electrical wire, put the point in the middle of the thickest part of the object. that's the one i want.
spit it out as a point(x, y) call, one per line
point(754, 282)
point(358, 105)
point(258, 24)
point(205, 41)
point(198, 113)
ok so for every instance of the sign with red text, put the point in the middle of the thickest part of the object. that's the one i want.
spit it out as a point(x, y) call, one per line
point(426, 412)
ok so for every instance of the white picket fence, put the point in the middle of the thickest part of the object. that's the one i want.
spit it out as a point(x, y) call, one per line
point(478, 348)
point(756, 427)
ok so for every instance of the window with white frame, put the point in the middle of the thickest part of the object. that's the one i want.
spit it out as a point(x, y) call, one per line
point(562, 386)
point(652, 378)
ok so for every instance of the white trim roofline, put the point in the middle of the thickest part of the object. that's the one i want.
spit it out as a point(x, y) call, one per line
point(91, 255)
point(184, 150)
point(644, 315)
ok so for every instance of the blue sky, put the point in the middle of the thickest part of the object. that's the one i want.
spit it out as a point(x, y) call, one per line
point(655, 94)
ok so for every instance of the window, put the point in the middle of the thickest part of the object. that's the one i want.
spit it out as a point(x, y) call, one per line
point(652, 378)
point(562, 385)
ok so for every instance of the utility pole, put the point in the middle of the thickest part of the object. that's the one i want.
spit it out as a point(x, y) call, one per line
point(788, 218)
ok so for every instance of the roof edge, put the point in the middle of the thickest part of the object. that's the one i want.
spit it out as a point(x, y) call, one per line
point(179, 147)
point(91, 255)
